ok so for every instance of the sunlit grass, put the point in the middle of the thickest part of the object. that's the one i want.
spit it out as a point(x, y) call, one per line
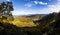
point(23, 22)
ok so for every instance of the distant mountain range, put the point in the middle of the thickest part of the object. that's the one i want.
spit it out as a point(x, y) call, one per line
point(48, 17)
point(29, 15)
point(32, 16)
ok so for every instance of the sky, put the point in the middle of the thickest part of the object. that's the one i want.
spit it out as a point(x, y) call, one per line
point(25, 7)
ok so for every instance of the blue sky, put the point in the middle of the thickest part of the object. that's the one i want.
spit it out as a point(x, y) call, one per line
point(25, 7)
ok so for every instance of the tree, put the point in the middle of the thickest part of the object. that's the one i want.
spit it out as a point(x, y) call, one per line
point(5, 9)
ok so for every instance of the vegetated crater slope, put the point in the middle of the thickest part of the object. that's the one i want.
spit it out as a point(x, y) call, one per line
point(27, 20)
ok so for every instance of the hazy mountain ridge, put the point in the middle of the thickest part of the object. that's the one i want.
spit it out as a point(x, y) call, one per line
point(47, 17)
point(32, 16)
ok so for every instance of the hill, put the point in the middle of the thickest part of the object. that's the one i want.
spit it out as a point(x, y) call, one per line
point(27, 20)
point(33, 16)
point(47, 25)
point(50, 24)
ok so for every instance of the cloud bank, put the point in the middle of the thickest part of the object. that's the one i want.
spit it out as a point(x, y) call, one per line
point(53, 8)
point(49, 9)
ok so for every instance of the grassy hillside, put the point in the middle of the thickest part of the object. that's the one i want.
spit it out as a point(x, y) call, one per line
point(23, 22)
point(48, 25)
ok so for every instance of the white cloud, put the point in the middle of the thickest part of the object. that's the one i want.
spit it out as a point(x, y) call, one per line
point(35, 2)
point(19, 12)
point(42, 3)
point(51, 8)
point(28, 5)
point(23, 12)
point(8, 0)
point(54, 8)
point(58, 0)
